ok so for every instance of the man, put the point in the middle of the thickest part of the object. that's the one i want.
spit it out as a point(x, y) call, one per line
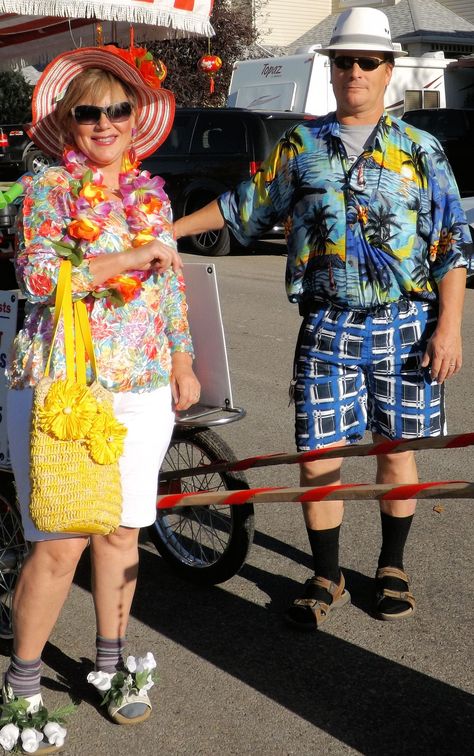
point(377, 253)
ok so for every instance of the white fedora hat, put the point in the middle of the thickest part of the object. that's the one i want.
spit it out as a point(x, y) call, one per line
point(362, 29)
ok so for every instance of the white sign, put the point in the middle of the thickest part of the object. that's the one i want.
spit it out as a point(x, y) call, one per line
point(8, 322)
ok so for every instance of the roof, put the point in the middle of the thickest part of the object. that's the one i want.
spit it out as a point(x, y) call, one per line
point(409, 20)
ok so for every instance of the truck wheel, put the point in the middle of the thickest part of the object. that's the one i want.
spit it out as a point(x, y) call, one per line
point(211, 243)
point(205, 544)
point(35, 161)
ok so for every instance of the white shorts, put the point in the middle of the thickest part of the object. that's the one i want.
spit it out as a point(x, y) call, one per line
point(149, 420)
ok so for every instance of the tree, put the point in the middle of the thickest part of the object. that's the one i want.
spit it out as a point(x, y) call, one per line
point(236, 34)
point(15, 98)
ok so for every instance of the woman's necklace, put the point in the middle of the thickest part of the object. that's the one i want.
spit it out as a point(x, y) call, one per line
point(145, 204)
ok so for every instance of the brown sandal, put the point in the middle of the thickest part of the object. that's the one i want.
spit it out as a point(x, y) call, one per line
point(404, 597)
point(309, 613)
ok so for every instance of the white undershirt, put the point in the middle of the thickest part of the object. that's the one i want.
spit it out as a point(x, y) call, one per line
point(355, 139)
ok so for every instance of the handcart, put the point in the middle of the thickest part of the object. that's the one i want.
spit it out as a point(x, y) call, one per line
point(206, 545)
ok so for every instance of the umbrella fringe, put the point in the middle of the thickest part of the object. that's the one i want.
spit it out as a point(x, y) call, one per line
point(179, 20)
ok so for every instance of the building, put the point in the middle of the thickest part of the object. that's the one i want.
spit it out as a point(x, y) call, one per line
point(419, 25)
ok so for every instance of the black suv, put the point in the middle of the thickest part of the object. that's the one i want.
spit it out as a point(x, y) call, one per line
point(208, 151)
point(454, 128)
point(18, 154)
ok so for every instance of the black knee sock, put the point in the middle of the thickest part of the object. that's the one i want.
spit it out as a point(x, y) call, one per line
point(325, 547)
point(394, 536)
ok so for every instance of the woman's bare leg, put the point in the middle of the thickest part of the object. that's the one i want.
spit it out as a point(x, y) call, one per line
point(41, 590)
point(114, 578)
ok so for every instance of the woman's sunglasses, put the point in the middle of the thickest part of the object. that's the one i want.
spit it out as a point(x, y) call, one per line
point(345, 63)
point(86, 115)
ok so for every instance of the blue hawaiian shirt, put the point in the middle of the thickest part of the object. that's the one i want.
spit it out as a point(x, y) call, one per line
point(387, 227)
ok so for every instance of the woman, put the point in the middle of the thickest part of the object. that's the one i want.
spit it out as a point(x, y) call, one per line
point(97, 110)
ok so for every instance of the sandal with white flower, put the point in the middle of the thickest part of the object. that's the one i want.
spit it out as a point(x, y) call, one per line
point(134, 709)
point(27, 725)
point(126, 692)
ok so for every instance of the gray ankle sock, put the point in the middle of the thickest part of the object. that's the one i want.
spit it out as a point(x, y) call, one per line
point(24, 676)
point(109, 654)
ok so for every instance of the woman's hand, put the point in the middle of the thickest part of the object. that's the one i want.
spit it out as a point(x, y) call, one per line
point(156, 256)
point(185, 387)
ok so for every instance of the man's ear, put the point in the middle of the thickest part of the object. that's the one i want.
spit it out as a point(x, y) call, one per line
point(388, 73)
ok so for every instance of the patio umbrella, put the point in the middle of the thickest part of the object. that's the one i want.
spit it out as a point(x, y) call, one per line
point(34, 31)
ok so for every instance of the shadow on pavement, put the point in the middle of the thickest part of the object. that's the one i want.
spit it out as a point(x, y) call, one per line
point(364, 700)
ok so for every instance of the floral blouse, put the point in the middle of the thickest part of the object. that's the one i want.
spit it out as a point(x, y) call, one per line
point(387, 227)
point(133, 342)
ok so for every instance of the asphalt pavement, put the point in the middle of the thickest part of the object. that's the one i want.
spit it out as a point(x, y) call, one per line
point(233, 678)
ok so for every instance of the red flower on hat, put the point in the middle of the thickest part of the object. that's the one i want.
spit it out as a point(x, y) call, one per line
point(139, 58)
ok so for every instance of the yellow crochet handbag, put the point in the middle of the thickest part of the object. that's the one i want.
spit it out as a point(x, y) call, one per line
point(75, 439)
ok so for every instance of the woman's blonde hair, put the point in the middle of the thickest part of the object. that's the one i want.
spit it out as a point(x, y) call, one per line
point(94, 82)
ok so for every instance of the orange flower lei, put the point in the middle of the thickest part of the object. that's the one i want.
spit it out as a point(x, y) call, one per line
point(143, 200)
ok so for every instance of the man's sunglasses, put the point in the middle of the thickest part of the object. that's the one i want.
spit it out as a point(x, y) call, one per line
point(86, 115)
point(345, 63)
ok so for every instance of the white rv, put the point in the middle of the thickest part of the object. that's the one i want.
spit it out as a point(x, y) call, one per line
point(301, 83)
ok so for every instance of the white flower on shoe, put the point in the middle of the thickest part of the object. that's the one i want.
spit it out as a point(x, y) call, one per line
point(142, 664)
point(30, 739)
point(55, 733)
point(131, 664)
point(9, 735)
point(135, 679)
point(101, 680)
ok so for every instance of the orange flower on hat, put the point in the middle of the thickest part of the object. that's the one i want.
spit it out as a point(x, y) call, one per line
point(148, 71)
point(139, 58)
point(84, 228)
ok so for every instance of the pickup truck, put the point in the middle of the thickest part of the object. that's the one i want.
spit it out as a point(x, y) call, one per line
point(18, 153)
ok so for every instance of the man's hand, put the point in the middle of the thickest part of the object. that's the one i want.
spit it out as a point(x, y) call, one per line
point(443, 354)
point(444, 350)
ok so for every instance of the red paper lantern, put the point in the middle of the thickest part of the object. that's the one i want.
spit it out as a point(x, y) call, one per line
point(210, 64)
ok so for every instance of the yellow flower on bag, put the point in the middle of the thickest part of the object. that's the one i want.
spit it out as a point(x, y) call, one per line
point(106, 438)
point(69, 411)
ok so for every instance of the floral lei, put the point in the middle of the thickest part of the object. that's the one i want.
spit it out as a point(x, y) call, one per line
point(143, 200)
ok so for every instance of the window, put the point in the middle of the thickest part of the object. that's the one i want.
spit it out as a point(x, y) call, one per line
point(276, 127)
point(222, 136)
point(415, 99)
point(177, 142)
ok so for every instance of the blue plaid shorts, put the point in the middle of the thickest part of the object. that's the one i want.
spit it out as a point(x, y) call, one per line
point(358, 371)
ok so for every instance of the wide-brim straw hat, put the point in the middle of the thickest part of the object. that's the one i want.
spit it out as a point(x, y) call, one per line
point(362, 29)
point(155, 111)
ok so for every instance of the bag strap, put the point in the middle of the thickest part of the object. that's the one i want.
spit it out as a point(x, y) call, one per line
point(63, 305)
point(84, 344)
point(77, 331)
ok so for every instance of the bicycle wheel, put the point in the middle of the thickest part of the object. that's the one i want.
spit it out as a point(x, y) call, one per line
point(13, 549)
point(206, 544)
